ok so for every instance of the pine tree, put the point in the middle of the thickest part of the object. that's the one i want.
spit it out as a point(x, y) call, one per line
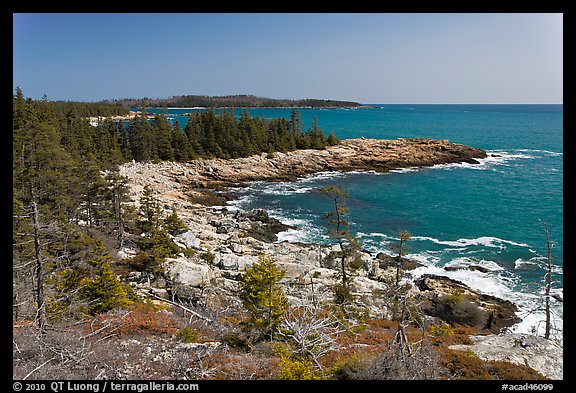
point(263, 297)
point(44, 185)
point(180, 144)
point(104, 292)
point(339, 228)
point(173, 224)
point(118, 196)
point(142, 140)
point(332, 139)
point(163, 134)
point(149, 210)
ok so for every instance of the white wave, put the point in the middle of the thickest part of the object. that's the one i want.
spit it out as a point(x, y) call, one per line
point(327, 175)
point(487, 241)
point(284, 189)
point(530, 310)
point(502, 284)
point(494, 159)
point(406, 170)
point(523, 264)
point(465, 262)
point(426, 258)
point(374, 234)
point(547, 152)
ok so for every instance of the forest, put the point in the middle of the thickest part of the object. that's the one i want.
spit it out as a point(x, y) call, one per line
point(68, 197)
point(238, 101)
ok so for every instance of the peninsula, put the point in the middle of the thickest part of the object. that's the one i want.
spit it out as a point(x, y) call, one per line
point(237, 101)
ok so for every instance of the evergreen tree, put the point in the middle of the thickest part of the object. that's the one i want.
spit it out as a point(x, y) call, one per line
point(174, 225)
point(316, 136)
point(163, 134)
point(118, 196)
point(149, 210)
point(332, 139)
point(339, 227)
point(180, 145)
point(193, 130)
point(142, 140)
point(263, 297)
point(104, 292)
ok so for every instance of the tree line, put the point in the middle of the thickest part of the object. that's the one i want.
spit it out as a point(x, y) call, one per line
point(210, 134)
point(238, 101)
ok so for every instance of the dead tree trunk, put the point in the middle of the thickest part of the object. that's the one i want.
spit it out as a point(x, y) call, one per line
point(548, 280)
point(39, 268)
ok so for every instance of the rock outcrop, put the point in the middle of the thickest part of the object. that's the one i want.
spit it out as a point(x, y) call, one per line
point(455, 302)
point(544, 356)
point(352, 155)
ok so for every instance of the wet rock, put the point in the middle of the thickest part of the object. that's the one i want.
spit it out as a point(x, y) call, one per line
point(386, 261)
point(470, 267)
point(456, 303)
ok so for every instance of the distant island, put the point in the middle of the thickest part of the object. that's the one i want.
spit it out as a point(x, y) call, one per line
point(237, 101)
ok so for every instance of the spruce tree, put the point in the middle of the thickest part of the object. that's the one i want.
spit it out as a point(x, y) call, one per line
point(339, 228)
point(263, 297)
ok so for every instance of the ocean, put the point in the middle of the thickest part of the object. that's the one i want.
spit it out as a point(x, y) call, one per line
point(458, 215)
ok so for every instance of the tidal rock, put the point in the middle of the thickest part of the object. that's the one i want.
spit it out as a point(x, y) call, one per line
point(455, 302)
point(386, 261)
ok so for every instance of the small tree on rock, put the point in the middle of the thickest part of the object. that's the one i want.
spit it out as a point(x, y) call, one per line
point(339, 227)
point(263, 297)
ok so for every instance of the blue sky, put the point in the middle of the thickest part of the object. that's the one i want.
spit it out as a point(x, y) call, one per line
point(369, 58)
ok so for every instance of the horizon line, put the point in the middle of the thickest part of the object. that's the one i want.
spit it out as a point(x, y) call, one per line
point(465, 103)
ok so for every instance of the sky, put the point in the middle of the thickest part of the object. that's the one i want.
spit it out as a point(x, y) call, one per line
point(368, 58)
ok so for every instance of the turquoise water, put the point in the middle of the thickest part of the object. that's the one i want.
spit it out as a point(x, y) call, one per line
point(458, 215)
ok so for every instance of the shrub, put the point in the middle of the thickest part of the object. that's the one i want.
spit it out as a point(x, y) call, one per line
point(141, 317)
point(342, 294)
point(235, 341)
point(209, 257)
point(188, 335)
point(442, 329)
point(299, 369)
point(356, 263)
point(105, 292)
point(174, 225)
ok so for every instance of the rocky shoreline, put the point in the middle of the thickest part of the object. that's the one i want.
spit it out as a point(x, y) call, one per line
point(221, 244)
point(351, 155)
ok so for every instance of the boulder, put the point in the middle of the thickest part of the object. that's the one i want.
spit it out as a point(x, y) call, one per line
point(183, 271)
point(456, 303)
point(234, 262)
point(386, 261)
point(187, 240)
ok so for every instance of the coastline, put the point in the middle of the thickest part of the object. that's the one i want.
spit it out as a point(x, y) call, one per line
point(358, 154)
point(236, 238)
